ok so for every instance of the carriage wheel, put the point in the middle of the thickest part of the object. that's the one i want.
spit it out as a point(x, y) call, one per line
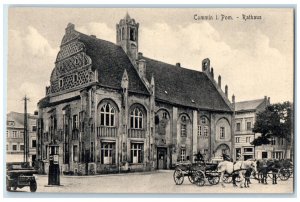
point(227, 179)
point(33, 186)
point(213, 180)
point(238, 179)
point(199, 178)
point(284, 174)
point(178, 177)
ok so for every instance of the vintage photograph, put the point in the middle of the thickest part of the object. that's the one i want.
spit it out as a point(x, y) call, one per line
point(150, 100)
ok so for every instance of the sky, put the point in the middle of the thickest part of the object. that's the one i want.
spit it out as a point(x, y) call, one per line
point(254, 57)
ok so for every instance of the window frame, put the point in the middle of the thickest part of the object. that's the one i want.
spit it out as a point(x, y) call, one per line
point(136, 118)
point(107, 118)
point(137, 152)
point(222, 132)
point(183, 154)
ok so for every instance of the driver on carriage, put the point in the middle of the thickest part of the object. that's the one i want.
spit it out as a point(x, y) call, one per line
point(199, 157)
point(226, 157)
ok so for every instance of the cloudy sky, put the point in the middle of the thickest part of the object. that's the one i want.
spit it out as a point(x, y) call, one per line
point(254, 58)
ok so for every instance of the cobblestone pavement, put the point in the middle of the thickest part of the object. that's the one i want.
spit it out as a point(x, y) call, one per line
point(149, 182)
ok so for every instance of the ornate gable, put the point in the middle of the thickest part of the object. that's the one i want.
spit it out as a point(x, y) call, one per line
point(72, 65)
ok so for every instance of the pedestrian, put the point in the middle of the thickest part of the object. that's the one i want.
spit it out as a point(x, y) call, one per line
point(247, 177)
point(264, 172)
point(274, 173)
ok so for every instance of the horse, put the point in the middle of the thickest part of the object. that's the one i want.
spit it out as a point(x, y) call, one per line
point(240, 167)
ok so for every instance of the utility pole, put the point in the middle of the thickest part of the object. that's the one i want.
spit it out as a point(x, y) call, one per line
point(26, 138)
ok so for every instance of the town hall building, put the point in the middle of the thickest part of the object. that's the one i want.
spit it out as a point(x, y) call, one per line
point(109, 108)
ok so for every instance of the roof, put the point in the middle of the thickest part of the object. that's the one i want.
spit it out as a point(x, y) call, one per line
point(18, 118)
point(248, 105)
point(110, 60)
point(184, 86)
point(172, 84)
point(175, 85)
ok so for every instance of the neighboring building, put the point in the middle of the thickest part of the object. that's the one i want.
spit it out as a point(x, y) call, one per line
point(15, 137)
point(107, 104)
point(245, 114)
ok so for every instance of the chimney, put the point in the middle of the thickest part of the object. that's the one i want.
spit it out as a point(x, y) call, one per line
point(142, 67)
point(178, 64)
point(269, 102)
point(219, 81)
point(233, 98)
point(226, 91)
point(212, 72)
point(140, 55)
point(94, 36)
point(205, 65)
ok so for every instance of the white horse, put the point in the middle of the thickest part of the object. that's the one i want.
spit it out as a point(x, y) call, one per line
point(238, 167)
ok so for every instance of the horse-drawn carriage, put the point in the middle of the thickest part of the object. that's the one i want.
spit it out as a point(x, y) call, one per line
point(270, 168)
point(214, 172)
point(197, 172)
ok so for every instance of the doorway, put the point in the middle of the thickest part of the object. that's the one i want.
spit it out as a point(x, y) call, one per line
point(161, 158)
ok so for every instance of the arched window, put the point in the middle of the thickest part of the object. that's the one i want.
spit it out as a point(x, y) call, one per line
point(136, 119)
point(183, 126)
point(107, 115)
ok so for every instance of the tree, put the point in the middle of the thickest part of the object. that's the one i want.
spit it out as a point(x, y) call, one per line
point(274, 121)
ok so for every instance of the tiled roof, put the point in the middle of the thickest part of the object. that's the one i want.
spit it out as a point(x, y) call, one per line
point(183, 86)
point(111, 61)
point(248, 105)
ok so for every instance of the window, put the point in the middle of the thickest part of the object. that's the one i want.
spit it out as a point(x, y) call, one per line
point(14, 134)
point(137, 152)
point(75, 153)
point(75, 121)
point(14, 147)
point(264, 155)
point(21, 134)
point(33, 143)
point(10, 123)
point(22, 147)
point(238, 126)
point(7, 147)
point(237, 139)
point(205, 131)
point(248, 139)
point(278, 155)
point(33, 128)
point(199, 132)
point(203, 120)
point(183, 130)
point(107, 115)
point(61, 83)
point(136, 119)
point(165, 115)
point(75, 76)
point(182, 154)
point(183, 126)
point(7, 134)
point(249, 127)
point(222, 132)
point(273, 141)
point(132, 34)
point(248, 149)
point(108, 152)
point(123, 33)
